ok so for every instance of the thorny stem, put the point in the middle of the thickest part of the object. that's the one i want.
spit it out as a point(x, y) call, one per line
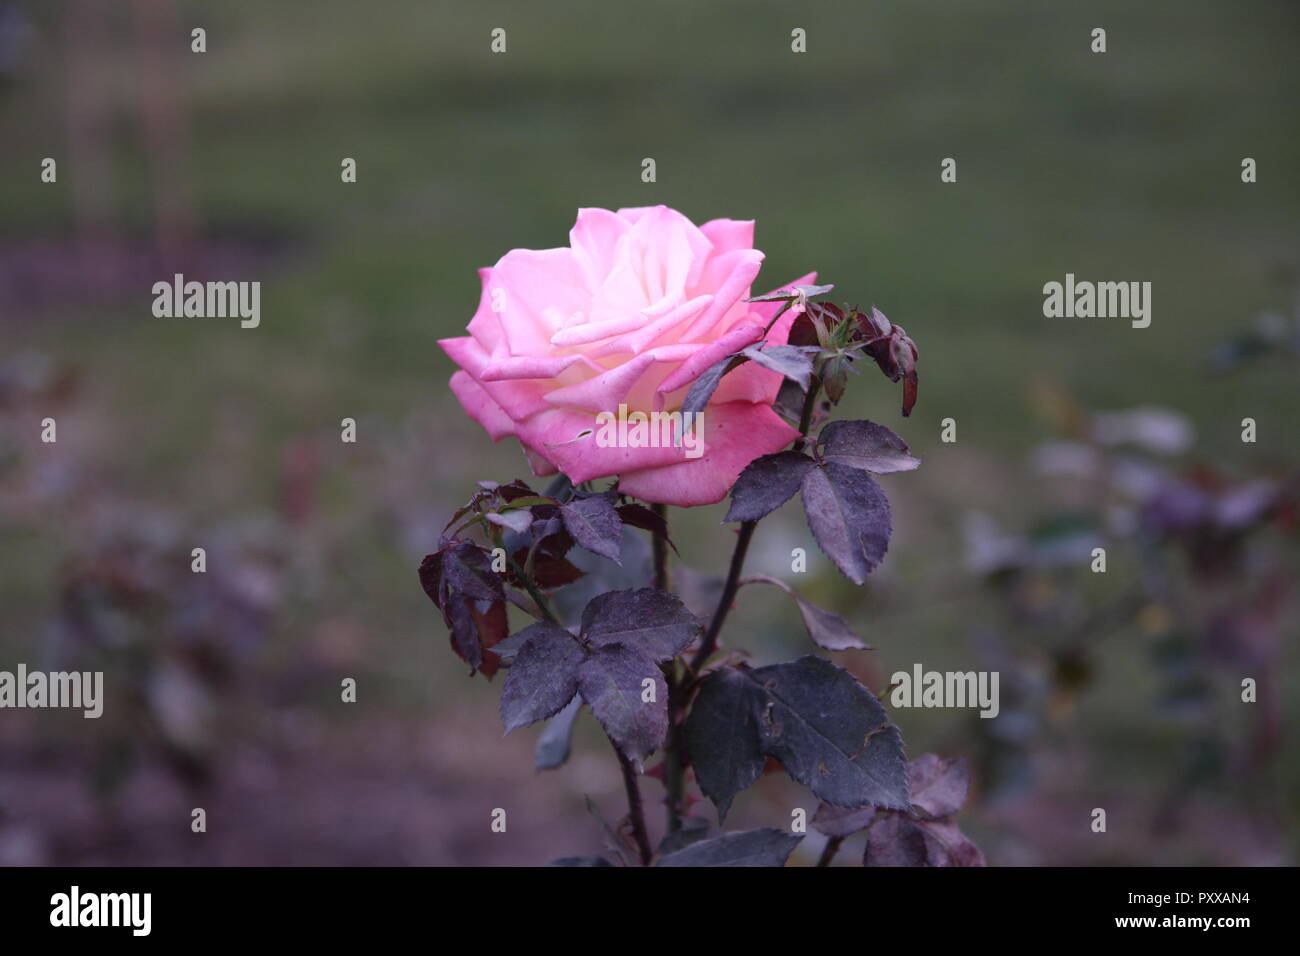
point(533, 591)
point(635, 812)
point(742, 546)
point(674, 768)
point(729, 589)
point(679, 689)
point(660, 548)
point(828, 852)
point(805, 418)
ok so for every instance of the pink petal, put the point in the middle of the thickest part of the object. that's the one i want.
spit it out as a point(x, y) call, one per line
point(728, 235)
point(480, 406)
point(593, 238)
point(734, 435)
point(537, 286)
point(569, 437)
point(732, 289)
point(604, 391)
point(710, 354)
point(639, 340)
point(519, 399)
point(486, 324)
point(532, 367)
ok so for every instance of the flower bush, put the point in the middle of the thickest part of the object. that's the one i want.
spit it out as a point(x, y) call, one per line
point(645, 313)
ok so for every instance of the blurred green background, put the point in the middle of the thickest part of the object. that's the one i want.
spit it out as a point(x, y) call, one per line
point(1118, 166)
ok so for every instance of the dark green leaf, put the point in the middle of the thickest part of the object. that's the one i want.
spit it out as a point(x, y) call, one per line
point(789, 402)
point(467, 571)
point(766, 484)
point(766, 846)
point(810, 291)
point(787, 360)
point(516, 489)
point(785, 295)
point(543, 676)
point(827, 730)
point(723, 736)
point(828, 630)
point(842, 821)
point(595, 525)
point(849, 517)
point(867, 446)
point(611, 681)
point(699, 394)
point(831, 734)
point(549, 571)
point(650, 621)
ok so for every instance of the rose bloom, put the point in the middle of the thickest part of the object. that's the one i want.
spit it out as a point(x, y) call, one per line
point(632, 312)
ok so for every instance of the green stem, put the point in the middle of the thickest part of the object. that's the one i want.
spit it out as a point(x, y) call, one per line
point(660, 549)
point(534, 592)
point(635, 812)
point(805, 417)
point(828, 852)
point(729, 589)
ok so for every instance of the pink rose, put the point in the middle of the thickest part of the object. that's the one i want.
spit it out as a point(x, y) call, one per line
point(639, 304)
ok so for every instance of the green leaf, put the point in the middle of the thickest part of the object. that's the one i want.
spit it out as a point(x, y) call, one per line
point(699, 394)
point(595, 525)
point(829, 732)
point(543, 675)
point(648, 620)
point(788, 360)
point(611, 681)
point(866, 446)
point(849, 516)
point(766, 484)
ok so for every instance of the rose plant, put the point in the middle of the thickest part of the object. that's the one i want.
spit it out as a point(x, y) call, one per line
point(647, 312)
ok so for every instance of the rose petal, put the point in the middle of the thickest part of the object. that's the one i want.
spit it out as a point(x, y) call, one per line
point(734, 435)
point(708, 355)
point(480, 406)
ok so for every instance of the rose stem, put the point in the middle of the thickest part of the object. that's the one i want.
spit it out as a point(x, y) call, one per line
point(674, 771)
point(660, 548)
point(538, 598)
point(635, 813)
point(674, 779)
point(742, 545)
point(828, 852)
point(809, 406)
point(728, 596)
